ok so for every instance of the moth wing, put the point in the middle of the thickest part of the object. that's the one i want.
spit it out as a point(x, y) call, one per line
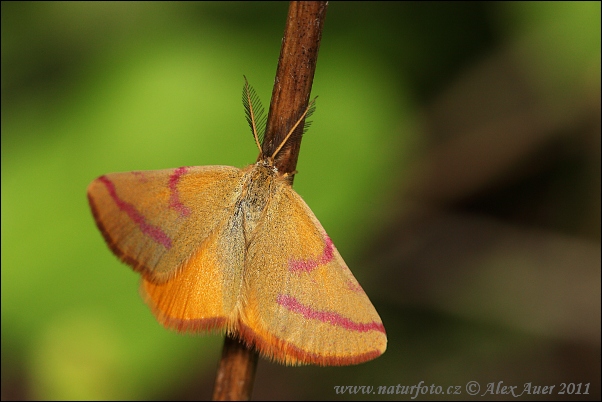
point(203, 295)
point(301, 304)
point(156, 220)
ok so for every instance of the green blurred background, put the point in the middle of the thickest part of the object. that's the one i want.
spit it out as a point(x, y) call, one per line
point(454, 159)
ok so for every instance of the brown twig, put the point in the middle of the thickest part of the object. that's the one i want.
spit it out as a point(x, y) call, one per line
point(294, 77)
point(236, 372)
point(290, 96)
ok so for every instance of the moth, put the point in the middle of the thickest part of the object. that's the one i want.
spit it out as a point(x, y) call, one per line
point(238, 250)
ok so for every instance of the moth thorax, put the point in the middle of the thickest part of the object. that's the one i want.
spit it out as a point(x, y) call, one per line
point(258, 189)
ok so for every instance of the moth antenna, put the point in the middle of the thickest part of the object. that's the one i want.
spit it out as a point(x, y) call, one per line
point(254, 112)
point(308, 111)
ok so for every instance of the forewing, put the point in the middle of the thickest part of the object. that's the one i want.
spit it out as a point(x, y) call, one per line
point(156, 220)
point(301, 304)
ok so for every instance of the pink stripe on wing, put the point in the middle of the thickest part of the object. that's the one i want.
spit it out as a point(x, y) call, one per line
point(354, 287)
point(174, 197)
point(156, 233)
point(310, 265)
point(140, 176)
point(329, 317)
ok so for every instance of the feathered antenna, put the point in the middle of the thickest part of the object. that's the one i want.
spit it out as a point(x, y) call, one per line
point(254, 112)
point(311, 107)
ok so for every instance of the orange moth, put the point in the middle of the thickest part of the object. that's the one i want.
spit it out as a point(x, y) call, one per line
point(222, 248)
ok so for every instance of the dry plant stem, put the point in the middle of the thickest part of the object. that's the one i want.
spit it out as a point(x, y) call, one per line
point(236, 372)
point(294, 78)
point(290, 96)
